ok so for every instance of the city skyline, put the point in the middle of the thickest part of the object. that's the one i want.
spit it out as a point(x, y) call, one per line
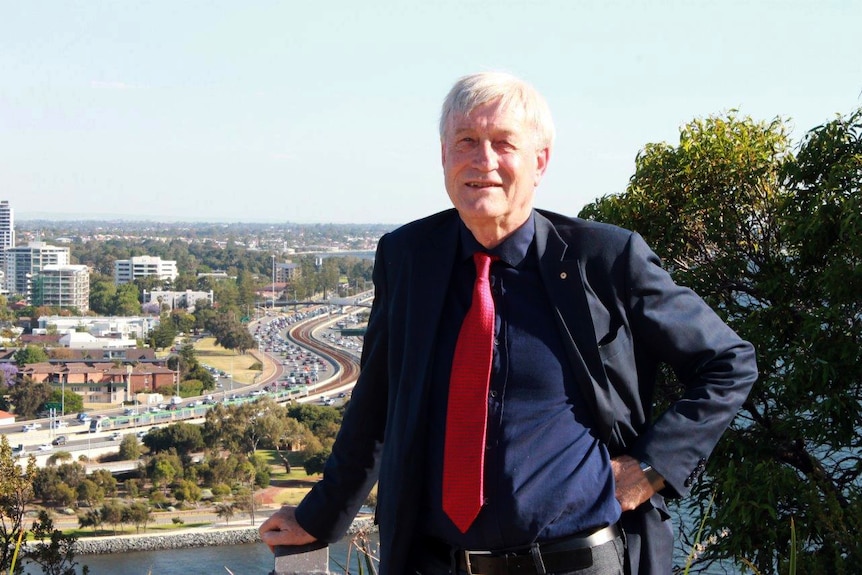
point(275, 112)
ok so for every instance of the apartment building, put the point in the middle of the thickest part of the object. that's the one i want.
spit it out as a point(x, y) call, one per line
point(24, 263)
point(129, 270)
point(63, 286)
point(178, 299)
point(287, 272)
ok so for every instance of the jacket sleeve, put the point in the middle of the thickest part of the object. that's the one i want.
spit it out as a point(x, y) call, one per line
point(352, 468)
point(716, 368)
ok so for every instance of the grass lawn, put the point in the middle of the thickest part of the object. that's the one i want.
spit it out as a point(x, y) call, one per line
point(292, 486)
point(226, 360)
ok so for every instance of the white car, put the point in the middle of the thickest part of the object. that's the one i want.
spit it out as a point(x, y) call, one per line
point(46, 447)
point(32, 427)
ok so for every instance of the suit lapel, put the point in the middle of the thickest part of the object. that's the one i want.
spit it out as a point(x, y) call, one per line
point(561, 274)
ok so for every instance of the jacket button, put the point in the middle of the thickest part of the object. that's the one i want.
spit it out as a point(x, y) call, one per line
point(563, 275)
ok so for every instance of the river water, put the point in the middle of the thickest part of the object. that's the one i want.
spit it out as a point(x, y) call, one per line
point(251, 559)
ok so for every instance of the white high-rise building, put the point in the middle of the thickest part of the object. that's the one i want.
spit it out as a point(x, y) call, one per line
point(63, 286)
point(7, 237)
point(7, 225)
point(23, 263)
point(129, 270)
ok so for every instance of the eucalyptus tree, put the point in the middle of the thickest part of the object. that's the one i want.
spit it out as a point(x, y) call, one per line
point(772, 239)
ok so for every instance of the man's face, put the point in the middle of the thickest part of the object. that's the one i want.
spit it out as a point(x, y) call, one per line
point(492, 166)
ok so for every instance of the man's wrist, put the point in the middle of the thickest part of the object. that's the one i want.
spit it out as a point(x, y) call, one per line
point(655, 480)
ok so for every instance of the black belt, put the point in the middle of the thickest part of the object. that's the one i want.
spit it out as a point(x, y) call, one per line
point(561, 555)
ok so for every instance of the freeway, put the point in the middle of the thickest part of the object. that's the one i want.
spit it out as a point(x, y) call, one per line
point(96, 439)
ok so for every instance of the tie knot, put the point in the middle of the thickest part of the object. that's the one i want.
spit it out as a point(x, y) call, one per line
point(483, 262)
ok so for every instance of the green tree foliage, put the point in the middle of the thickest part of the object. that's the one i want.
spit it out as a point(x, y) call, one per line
point(30, 354)
point(138, 514)
point(230, 333)
point(185, 490)
point(57, 555)
point(112, 514)
point(130, 447)
point(773, 241)
point(163, 335)
point(92, 518)
point(184, 438)
point(102, 293)
point(89, 492)
point(314, 462)
point(16, 491)
point(69, 400)
point(323, 421)
point(126, 300)
point(28, 397)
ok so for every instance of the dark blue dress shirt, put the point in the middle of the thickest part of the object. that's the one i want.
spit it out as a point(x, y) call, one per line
point(546, 474)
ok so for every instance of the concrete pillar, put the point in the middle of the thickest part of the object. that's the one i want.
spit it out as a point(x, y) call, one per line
point(311, 559)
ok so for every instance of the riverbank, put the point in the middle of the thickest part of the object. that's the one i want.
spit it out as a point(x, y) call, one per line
point(188, 538)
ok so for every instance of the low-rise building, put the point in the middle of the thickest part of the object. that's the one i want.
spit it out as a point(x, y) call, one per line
point(129, 270)
point(178, 299)
point(131, 327)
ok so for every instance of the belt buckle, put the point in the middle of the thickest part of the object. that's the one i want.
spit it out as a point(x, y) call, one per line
point(468, 564)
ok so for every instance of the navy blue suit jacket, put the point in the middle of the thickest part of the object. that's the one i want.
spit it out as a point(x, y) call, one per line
point(619, 314)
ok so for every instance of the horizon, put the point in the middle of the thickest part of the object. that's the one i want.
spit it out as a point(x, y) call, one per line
point(267, 112)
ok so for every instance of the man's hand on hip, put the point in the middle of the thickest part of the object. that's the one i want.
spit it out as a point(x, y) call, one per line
point(633, 486)
point(282, 529)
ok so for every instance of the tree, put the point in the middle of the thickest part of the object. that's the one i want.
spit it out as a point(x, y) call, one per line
point(68, 399)
point(138, 514)
point(28, 396)
point(102, 293)
point(89, 492)
point(772, 242)
point(225, 511)
point(163, 468)
point(57, 557)
point(126, 300)
point(92, 518)
point(130, 447)
point(30, 354)
point(180, 437)
point(16, 491)
point(112, 514)
point(314, 462)
point(163, 335)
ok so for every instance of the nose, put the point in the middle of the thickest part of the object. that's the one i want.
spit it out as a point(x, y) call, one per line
point(484, 156)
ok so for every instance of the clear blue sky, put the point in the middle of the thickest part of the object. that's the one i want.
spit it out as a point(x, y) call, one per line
point(223, 110)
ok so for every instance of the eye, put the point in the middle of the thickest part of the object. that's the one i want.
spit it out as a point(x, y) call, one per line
point(465, 143)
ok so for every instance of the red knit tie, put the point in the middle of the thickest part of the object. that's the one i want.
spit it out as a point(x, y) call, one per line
point(467, 412)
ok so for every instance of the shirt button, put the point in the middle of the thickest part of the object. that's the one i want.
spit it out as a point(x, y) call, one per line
point(496, 342)
point(493, 393)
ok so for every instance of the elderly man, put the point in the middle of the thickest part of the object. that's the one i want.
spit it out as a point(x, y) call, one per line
point(505, 400)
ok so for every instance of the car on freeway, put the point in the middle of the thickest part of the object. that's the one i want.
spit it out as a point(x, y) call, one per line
point(116, 435)
point(31, 427)
point(46, 447)
point(57, 424)
point(59, 440)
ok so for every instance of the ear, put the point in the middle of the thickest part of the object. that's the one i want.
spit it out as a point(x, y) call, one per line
point(442, 153)
point(543, 156)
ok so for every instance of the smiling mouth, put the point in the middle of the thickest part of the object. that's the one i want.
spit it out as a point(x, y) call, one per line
point(483, 185)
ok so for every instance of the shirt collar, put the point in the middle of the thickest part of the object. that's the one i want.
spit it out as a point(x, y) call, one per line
point(512, 250)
